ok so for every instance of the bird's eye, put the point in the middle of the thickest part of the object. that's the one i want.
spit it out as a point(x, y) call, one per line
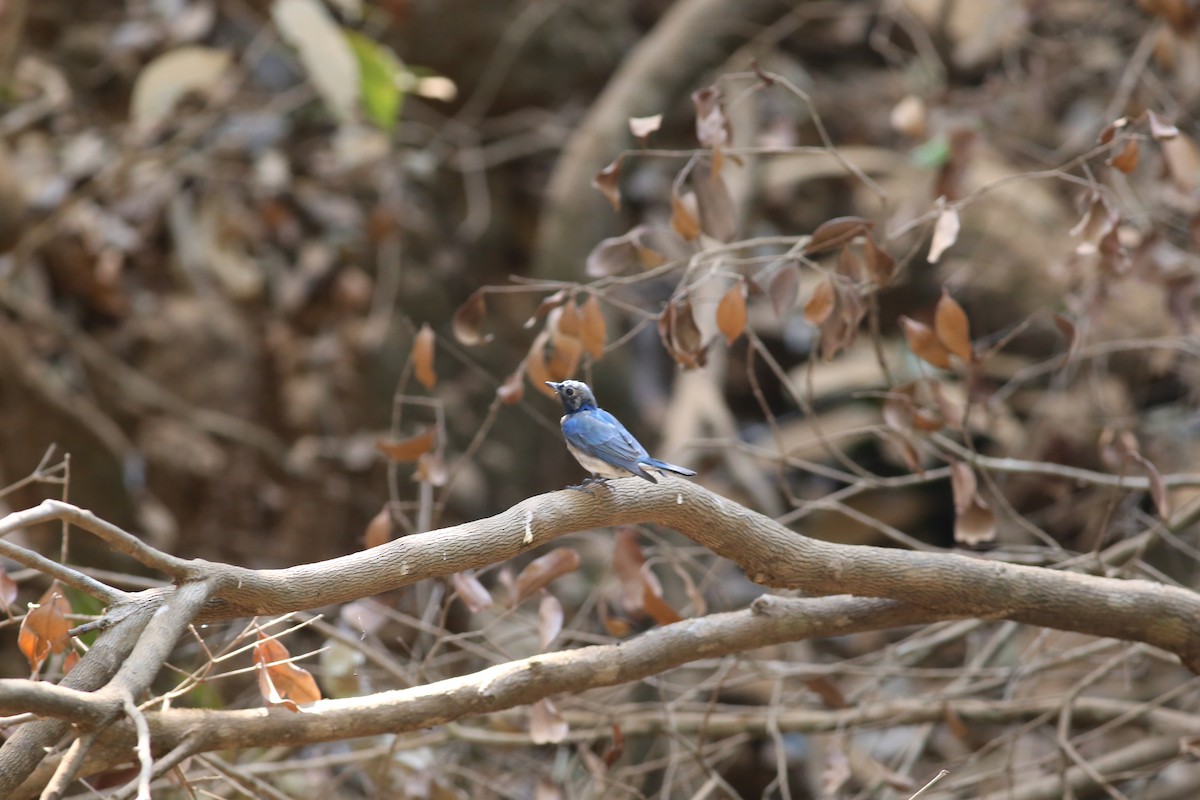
point(569, 392)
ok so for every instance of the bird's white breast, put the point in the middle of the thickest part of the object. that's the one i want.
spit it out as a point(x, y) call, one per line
point(596, 466)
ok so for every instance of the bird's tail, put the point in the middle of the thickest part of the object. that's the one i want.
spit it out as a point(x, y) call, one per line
point(663, 465)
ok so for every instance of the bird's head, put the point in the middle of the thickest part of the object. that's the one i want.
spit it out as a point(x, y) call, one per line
point(575, 395)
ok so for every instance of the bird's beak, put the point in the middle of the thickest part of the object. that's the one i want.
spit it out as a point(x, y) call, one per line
point(553, 385)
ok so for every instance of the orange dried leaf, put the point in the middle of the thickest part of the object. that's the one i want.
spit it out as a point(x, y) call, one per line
point(562, 357)
point(593, 331)
point(467, 322)
point(422, 357)
point(409, 449)
point(565, 320)
point(608, 182)
point(945, 233)
point(550, 620)
point(925, 344)
point(963, 484)
point(684, 220)
point(616, 748)
point(546, 725)
point(541, 571)
point(471, 591)
point(654, 605)
point(953, 329)
point(627, 561)
point(880, 265)
point(714, 203)
point(1110, 130)
point(547, 305)
point(535, 365)
point(821, 304)
point(1127, 159)
point(45, 629)
point(731, 312)
point(379, 529)
point(282, 683)
point(836, 232)
point(824, 687)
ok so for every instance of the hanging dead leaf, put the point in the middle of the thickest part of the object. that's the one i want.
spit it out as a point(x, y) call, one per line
point(945, 233)
point(171, 77)
point(963, 485)
point(431, 469)
point(821, 304)
point(1110, 130)
point(564, 320)
point(546, 725)
point(642, 127)
point(541, 571)
point(714, 203)
point(562, 356)
point(684, 219)
point(8, 590)
point(547, 305)
point(616, 747)
point(535, 365)
point(473, 593)
point(409, 449)
point(880, 265)
point(615, 626)
point(608, 182)
point(731, 312)
point(925, 344)
point(1160, 129)
point(467, 322)
point(1183, 161)
point(627, 561)
point(654, 605)
point(976, 524)
point(712, 126)
point(898, 408)
point(512, 391)
point(952, 327)
point(593, 330)
point(1126, 160)
point(835, 233)
point(282, 683)
point(1158, 487)
point(45, 629)
point(422, 357)
point(550, 620)
point(784, 288)
point(379, 529)
point(680, 334)
point(849, 264)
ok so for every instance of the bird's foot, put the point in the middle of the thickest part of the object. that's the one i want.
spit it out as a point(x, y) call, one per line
point(588, 484)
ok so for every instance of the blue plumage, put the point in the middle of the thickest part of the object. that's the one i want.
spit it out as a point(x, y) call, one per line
point(598, 440)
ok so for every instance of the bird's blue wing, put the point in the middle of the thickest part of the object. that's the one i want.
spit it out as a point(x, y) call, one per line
point(600, 434)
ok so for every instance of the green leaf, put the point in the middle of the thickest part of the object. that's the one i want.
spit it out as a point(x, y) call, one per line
point(379, 80)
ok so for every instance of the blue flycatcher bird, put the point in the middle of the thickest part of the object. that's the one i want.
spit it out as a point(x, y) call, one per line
point(600, 442)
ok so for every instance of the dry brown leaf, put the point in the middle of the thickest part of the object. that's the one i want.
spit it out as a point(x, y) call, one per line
point(614, 626)
point(829, 692)
point(952, 327)
point(541, 571)
point(45, 629)
point(836, 232)
point(712, 126)
point(468, 320)
point(608, 182)
point(562, 356)
point(593, 331)
point(282, 683)
point(379, 529)
point(784, 288)
point(976, 524)
point(684, 220)
point(627, 561)
point(945, 233)
point(546, 725)
point(409, 449)
point(616, 747)
point(547, 305)
point(535, 365)
point(474, 595)
point(680, 335)
point(821, 304)
point(1158, 487)
point(1110, 130)
point(654, 605)
point(1127, 159)
point(512, 391)
point(731, 312)
point(1067, 328)
point(8, 590)
point(550, 620)
point(849, 264)
point(422, 357)
point(925, 344)
point(963, 485)
point(880, 265)
point(714, 203)
point(565, 320)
